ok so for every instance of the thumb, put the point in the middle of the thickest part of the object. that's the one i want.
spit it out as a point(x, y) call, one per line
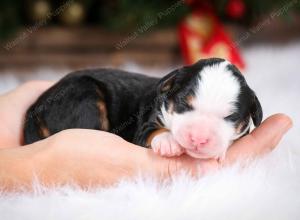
point(271, 131)
point(261, 140)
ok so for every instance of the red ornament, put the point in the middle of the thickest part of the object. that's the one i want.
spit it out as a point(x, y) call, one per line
point(202, 35)
point(236, 8)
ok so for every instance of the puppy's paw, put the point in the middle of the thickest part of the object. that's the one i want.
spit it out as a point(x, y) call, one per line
point(165, 145)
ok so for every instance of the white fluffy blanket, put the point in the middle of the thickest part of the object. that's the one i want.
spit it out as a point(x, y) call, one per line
point(268, 189)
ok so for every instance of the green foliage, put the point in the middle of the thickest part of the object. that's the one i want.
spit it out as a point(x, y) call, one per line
point(132, 14)
point(10, 17)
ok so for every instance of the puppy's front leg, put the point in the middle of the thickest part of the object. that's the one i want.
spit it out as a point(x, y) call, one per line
point(159, 139)
point(163, 143)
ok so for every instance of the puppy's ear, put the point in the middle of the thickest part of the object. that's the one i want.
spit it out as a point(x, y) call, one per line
point(256, 110)
point(167, 82)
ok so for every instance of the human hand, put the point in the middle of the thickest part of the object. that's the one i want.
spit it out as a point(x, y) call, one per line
point(13, 106)
point(260, 141)
point(100, 158)
point(95, 157)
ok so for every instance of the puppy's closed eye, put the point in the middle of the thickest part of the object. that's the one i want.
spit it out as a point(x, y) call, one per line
point(233, 117)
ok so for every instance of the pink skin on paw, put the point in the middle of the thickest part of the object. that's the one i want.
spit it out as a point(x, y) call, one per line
point(165, 145)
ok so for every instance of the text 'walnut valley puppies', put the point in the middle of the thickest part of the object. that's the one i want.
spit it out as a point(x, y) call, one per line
point(198, 110)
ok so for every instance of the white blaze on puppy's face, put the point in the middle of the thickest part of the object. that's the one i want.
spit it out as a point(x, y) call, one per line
point(203, 131)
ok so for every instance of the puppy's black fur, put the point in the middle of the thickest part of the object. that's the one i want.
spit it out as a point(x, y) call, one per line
point(127, 104)
point(72, 103)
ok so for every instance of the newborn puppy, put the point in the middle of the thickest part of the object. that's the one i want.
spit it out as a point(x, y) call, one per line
point(198, 109)
point(211, 106)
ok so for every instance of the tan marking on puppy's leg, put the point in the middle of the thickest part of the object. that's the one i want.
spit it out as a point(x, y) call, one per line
point(153, 134)
point(43, 130)
point(103, 115)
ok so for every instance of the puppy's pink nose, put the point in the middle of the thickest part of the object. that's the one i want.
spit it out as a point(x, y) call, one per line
point(199, 141)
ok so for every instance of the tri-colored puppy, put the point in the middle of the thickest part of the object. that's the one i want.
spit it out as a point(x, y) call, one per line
point(198, 109)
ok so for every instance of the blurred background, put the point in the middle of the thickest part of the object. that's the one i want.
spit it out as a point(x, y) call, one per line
point(46, 39)
point(89, 33)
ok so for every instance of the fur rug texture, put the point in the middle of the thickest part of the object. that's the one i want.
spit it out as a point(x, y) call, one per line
point(268, 189)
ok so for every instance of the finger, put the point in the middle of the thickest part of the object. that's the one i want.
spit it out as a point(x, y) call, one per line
point(261, 140)
point(14, 106)
point(22, 97)
point(168, 167)
point(30, 91)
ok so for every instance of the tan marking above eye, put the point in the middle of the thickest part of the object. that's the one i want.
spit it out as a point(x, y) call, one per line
point(170, 107)
point(166, 87)
point(189, 99)
point(103, 115)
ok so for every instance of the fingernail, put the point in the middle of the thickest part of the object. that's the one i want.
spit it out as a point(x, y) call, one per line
point(287, 125)
point(284, 124)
